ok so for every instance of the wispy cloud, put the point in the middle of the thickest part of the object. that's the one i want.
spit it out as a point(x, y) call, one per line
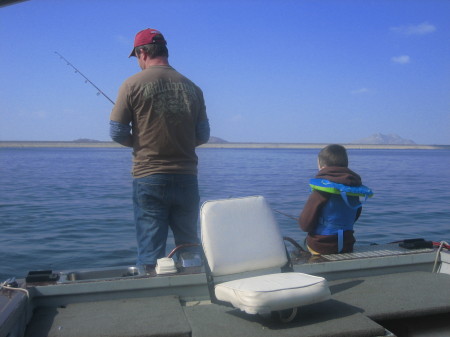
point(420, 29)
point(360, 91)
point(402, 59)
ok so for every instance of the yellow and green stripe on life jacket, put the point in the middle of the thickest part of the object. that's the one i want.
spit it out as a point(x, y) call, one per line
point(325, 185)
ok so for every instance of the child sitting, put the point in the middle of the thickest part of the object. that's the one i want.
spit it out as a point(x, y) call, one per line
point(333, 205)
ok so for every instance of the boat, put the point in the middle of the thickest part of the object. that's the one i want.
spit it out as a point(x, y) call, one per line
point(398, 289)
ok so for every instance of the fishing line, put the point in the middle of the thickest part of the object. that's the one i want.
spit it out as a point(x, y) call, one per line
point(287, 215)
point(86, 80)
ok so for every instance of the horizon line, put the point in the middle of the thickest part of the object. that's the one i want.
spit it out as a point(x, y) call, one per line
point(253, 145)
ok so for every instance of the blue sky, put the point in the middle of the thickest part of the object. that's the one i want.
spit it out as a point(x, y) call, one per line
point(271, 70)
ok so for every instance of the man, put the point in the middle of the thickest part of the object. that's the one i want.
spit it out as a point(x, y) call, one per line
point(162, 115)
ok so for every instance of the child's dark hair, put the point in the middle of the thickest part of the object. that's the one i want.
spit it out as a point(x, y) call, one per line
point(333, 155)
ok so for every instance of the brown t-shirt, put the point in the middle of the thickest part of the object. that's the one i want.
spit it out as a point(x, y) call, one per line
point(163, 108)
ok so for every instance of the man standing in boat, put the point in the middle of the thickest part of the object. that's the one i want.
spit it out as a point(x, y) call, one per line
point(161, 114)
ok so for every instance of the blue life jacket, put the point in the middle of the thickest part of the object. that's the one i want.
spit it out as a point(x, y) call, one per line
point(339, 213)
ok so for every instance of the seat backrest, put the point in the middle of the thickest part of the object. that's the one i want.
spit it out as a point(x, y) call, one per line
point(240, 235)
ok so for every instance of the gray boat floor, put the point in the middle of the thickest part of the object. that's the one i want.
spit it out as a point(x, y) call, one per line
point(357, 308)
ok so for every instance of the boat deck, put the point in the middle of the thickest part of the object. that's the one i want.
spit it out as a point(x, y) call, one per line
point(375, 290)
point(358, 307)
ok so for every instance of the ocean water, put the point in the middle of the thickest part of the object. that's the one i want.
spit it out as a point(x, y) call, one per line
point(70, 208)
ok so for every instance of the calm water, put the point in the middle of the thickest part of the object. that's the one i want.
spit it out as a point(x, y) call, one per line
point(64, 208)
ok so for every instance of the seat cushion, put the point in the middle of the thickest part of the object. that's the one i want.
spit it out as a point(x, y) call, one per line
point(240, 235)
point(272, 292)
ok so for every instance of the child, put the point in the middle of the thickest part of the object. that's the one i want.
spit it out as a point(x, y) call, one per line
point(333, 205)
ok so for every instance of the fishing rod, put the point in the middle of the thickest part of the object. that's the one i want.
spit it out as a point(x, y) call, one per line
point(287, 238)
point(86, 80)
point(287, 215)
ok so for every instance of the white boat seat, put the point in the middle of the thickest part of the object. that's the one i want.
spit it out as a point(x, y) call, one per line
point(241, 235)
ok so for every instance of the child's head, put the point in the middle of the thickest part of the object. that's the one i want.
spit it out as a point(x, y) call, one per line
point(333, 155)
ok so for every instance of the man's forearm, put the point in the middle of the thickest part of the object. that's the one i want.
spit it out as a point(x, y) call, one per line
point(202, 132)
point(121, 133)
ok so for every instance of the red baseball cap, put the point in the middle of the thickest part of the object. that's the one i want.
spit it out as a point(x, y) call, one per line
point(147, 36)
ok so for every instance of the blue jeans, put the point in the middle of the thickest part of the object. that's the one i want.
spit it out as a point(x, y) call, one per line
point(162, 201)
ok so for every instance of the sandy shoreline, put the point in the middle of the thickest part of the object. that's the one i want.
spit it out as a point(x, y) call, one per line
point(32, 144)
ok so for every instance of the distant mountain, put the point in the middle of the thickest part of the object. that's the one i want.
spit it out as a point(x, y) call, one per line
point(216, 140)
point(380, 139)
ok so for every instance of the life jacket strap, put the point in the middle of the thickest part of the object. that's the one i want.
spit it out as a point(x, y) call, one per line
point(344, 196)
point(340, 240)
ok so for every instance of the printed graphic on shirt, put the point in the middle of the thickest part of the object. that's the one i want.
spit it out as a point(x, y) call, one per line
point(171, 100)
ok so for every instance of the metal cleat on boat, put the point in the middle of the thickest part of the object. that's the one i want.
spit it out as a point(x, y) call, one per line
point(10, 283)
